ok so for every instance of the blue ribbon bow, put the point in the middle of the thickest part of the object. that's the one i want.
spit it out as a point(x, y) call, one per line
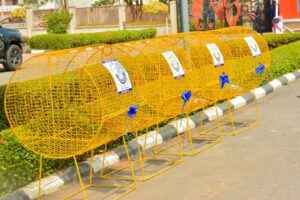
point(260, 69)
point(223, 80)
point(132, 110)
point(185, 97)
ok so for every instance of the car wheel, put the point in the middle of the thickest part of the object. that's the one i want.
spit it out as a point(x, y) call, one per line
point(13, 58)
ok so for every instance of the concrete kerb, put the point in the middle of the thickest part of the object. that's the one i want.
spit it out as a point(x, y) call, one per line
point(53, 182)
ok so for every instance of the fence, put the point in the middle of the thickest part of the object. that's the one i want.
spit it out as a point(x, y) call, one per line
point(109, 16)
point(98, 19)
point(97, 16)
point(6, 11)
point(141, 17)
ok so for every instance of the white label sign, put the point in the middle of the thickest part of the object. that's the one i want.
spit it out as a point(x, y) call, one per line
point(174, 64)
point(253, 46)
point(216, 54)
point(119, 75)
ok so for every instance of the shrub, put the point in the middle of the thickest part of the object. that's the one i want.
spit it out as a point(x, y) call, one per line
point(3, 120)
point(57, 22)
point(19, 13)
point(18, 166)
point(276, 40)
point(192, 25)
point(64, 41)
point(154, 7)
point(284, 59)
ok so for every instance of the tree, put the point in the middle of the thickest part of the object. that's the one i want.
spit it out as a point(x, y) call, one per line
point(101, 3)
point(135, 7)
point(155, 7)
point(64, 6)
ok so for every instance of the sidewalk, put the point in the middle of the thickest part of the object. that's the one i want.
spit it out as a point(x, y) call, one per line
point(262, 163)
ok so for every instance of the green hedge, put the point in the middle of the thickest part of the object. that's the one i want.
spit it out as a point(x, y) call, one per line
point(65, 41)
point(3, 120)
point(276, 40)
point(284, 59)
point(18, 166)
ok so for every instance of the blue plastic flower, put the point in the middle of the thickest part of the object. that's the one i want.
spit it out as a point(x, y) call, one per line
point(132, 110)
point(186, 95)
point(260, 69)
point(223, 80)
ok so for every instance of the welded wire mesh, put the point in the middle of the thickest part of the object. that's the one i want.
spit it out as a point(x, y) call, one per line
point(211, 57)
point(251, 53)
point(169, 72)
point(66, 102)
point(56, 106)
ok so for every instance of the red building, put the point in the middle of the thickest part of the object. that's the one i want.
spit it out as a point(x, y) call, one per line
point(290, 11)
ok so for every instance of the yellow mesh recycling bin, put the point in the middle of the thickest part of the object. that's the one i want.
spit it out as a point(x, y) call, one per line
point(60, 109)
point(43, 102)
point(57, 108)
point(252, 57)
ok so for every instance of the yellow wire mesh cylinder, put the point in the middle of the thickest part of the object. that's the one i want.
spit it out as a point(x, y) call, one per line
point(57, 107)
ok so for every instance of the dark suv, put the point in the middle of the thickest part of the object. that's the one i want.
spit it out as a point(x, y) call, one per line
point(11, 48)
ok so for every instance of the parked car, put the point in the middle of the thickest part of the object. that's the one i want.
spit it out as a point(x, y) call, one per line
point(11, 48)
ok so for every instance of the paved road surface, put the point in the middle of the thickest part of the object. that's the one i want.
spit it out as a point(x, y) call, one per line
point(262, 164)
point(5, 76)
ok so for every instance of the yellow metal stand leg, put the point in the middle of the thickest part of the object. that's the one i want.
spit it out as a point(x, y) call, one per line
point(145, 143)
point(129, 161)
point(140, 156)
point(91, 167)
point(219, 123)
point(80, 179)
point(40, 177)
point(250, 124)
point(218, 126)
point(179, 140)
point(140, 162)
point(230, 120)
point(188, 131)
point(201, 119)
point(103, 161)
point(156, 137)
point(188, 137)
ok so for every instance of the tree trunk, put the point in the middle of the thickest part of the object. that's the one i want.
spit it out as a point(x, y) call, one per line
point(64, 5)
point(132, 10)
